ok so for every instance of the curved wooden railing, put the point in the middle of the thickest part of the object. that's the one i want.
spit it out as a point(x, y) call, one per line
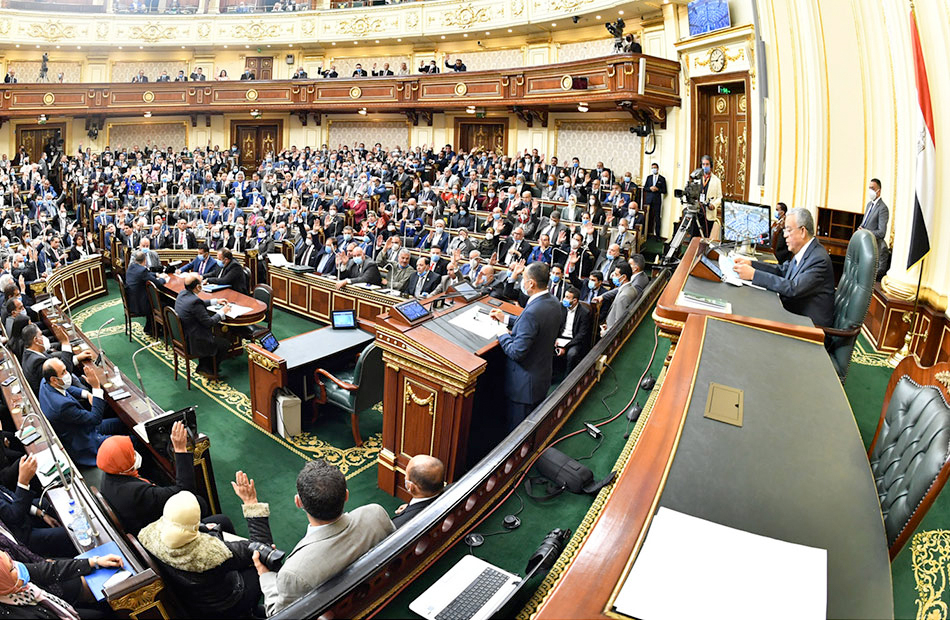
point(370, 582)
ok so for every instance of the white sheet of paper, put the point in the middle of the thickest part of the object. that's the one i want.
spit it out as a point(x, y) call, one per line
point(477, 323)
point(236, 310)
point(728, 574)
point(140, 431)
point(44, 461)
point(277, 259)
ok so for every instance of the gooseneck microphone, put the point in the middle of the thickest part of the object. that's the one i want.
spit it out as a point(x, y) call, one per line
point(98, 361)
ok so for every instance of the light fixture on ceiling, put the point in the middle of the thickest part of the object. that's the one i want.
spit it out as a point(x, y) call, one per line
point(620, 11)
point(582, 107)
point(362, 111)
point(487, 33)
point(597, 17)
point(470, 109)
point(147, 115)
point(553, 25)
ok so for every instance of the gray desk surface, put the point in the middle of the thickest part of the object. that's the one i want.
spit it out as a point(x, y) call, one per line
point(456, 335)
point(747, 301)
point(320, 343)
point(796, 470)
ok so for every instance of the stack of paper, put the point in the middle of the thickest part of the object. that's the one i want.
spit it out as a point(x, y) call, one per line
point(692, 568)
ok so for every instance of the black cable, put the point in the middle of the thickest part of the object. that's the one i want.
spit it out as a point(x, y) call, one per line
point(605, 397)
point(599, 444)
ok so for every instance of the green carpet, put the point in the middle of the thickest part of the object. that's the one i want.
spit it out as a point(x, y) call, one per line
point(236, 443)
point(510, 550)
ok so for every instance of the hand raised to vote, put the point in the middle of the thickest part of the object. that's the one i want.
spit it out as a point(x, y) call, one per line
point(179, 437)
point(244, 488)
point(91, 377)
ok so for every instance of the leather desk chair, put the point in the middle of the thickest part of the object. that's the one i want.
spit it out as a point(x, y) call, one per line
point(852, 300)
point(264, 293)
point(125, 306)
point(908, 455)
point(155, 307)
point(354, 389)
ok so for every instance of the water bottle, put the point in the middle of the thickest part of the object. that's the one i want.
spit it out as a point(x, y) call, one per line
point(79, 525)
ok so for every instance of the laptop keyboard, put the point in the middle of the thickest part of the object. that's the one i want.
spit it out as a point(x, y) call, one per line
point(473, 598)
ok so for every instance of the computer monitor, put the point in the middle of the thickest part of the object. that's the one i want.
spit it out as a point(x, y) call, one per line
point(343, 319)
point(158, 430)
point(269, 342)
point(412, 311)
point(746, 221)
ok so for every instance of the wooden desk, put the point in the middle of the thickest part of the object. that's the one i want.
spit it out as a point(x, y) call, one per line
point(144, 592)
point(78, 281)
point(176, 284)
point(315, 296)
point(136, 409)
point(749, 305)
point(796, 471)
point(291, 365)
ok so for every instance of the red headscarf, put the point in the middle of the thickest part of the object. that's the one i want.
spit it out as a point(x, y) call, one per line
point(9, 582)
point(117, 456)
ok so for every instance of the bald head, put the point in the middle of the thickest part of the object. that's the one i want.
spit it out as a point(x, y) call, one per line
point(53, 370)
point(192, 280)
point(425, 476)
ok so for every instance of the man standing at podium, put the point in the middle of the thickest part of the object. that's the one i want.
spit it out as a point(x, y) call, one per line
point(530, 345)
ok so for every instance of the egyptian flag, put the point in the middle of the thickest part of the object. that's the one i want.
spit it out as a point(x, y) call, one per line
point(926, 150)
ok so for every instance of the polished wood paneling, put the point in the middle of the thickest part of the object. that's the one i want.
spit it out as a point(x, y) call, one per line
point(611, 79)
point(889, 319)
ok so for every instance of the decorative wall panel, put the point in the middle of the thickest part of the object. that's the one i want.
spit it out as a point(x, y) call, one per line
point(388, 133)
point(162, 135)
point(487, 60)
point(346, 66)
point(585, 49)
point(29, 71)
point(125, 71)
point(609, 142)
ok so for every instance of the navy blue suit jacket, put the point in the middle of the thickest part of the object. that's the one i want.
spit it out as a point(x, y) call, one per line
point(77, 427)
point(432, 280)
point(211, 267)
point(808, 290)
point(197, 322)
point(135, 277)
point(529, 349)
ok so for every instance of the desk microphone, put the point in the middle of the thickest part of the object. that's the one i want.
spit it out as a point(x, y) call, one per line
point(139, 375)
point(69, 313)
point(98, 361)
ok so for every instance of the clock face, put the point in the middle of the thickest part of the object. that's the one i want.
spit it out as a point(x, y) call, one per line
point(717, 60)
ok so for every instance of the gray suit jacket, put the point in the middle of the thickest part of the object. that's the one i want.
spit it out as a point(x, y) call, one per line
point(324, 552)
point(626, 296)
point(875, 221)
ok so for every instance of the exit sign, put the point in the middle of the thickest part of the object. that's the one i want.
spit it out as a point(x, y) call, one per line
point(724, 90)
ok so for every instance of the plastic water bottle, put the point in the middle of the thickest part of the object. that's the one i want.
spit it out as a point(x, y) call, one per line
point(79, 525)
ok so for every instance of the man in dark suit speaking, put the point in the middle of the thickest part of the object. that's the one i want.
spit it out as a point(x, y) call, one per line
point(806, 283)
point(530, 345)
point(199, 323)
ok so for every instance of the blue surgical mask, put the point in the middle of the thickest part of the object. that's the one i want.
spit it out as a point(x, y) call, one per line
point(590, 284)
point(496, 216)
point(22, 573)
point(555, 279)
point(328, 249)
point(347, 236)
point(550, 183)
point(566, 303)
point(615, 280)
point(706, 169)
point(358, 260)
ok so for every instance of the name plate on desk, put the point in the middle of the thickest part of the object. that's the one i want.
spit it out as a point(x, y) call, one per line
point(724, 404)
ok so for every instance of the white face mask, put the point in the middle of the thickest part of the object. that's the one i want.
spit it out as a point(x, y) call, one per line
point(872, 195)
point(46, 344)
point(138, 461)
point(67, 379)
point(574, 244)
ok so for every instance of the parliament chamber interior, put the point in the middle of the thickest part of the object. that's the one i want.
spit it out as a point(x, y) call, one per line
point(452, 309)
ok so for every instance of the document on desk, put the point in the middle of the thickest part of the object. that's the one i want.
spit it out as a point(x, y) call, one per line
point(479, 323)
point(277, 259)
point(237, 310)
point(692, 568)
point(46, 467)
point(729, 275)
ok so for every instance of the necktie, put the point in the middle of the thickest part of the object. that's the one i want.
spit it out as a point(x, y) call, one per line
point(201, 267)
point(420, 281)
point(867, 213)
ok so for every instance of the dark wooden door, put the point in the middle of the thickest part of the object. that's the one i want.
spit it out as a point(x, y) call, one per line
point(261, 66)
point(723, 133)
point(255, 141)
point(473, 136)
point(34, 138)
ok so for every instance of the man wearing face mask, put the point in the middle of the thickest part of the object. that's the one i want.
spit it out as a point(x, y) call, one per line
point(529, 347)
point(360, 270)
point(199, 322)
point(81, 430)
point(423, 281)
point(875, 220)
point(654, 188)
point(574, 339)
point(36, 351)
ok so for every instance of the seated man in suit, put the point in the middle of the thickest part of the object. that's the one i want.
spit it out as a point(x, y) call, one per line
point(806, 283)
point(398, 275)
point(199, 323)
point(231, 272)
point(203, 264)
point(28, 522)
point(574, 340)
point(135, 278)
point(623, 295)
point(425, 479)
point(452, 277)
point(80, 429)
point(333, 541)
point(609, 260)
point(182, 238)
point(36, 350)
point(423, 281)
point(360, 270)
point(529, 348)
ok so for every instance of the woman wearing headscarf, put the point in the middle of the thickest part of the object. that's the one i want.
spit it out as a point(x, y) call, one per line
point(22, 593)
point(136, 500)
point(213, 577)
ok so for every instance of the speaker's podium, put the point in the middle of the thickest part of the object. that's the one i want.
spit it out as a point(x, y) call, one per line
point(443, 362)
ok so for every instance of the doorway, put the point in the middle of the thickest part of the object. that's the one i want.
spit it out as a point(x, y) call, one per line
point(255, 141)
point(721, 130)
point(35, 138)
point(261, 66)
point(486, 134)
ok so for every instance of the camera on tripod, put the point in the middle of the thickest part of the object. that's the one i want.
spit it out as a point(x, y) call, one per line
point(691, 192)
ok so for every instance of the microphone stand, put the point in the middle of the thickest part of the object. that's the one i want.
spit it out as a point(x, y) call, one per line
point(69, 314)
point(138, 375)
point(98, 361)
point(53, 441)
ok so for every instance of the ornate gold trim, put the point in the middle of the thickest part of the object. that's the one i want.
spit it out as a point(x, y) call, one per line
point(567, 82)
point(148, 96)
point(461, 89)
point(262, 360)
point(356, 92)
point(141, 600)
point(49, 99)
point(930, 553)
point(251, 95)
point(944, 378)
point(422, 402)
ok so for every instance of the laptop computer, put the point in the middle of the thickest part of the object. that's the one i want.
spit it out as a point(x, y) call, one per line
point(473, 589)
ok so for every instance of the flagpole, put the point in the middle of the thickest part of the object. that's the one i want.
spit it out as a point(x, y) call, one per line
point(909, 317)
